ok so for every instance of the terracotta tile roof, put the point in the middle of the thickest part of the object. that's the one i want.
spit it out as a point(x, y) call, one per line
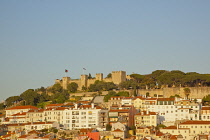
point(205, 108)
point(139, 97)
point(61, 108)
point(54, 105)
point(23, 107)
point(83, 102)
point(89, 106)
point(20, 114)
point(2, 115)
point(5, 136)
point(159, 134)
point(21, 124)
point(117, 130)
point(203, 137)
point(38, 111)
point(151, 98)
point(86, 130)
point(33, 132)
point(173, 137)
point(166, 99)
point(23, 136)
point(195, 122)
point(170, 127)
point(119, 110)
point(68, 104)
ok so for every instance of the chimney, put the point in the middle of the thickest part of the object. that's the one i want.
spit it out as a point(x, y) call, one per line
point(92, 105)
point(76, 106)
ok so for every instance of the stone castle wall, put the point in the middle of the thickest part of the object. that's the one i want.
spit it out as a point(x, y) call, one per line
point(117, 77)
point(195, 92)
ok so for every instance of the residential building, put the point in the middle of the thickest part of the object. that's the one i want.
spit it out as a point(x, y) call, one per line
point(123, 114)
point(18, 109)
point(174, 130)
point(205, 113)
point(83, 116)
point(196, 127)
point(146, 118)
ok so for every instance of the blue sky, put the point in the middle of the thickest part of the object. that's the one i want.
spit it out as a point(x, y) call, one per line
point(40, 39)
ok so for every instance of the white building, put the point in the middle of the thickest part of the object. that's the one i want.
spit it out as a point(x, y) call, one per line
point(84, 116)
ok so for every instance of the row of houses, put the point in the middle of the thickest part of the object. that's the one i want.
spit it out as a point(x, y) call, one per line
point(144, 113)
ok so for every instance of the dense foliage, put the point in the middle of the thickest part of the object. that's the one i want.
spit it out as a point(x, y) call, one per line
point(174, 78)
point(113, 93)
point(72, 87)
point(206, 100)
point(101, 86)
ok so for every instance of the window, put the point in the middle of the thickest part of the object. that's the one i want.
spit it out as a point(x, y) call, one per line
point(89, 112)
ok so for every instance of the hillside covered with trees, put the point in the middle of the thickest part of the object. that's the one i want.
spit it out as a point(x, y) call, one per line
point(157, 79)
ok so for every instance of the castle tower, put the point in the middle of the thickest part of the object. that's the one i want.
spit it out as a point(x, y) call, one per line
point(83, 81)
point(57, 81)
point(65, 82)
point(99, 76)
point(118, 77)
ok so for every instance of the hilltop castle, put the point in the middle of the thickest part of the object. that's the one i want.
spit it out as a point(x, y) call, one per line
point(117, 77)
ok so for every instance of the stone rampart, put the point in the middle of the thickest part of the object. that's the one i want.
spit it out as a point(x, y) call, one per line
point(195, 92)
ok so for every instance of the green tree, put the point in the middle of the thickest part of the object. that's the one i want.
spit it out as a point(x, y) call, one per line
point(84, 88)
point(101, 86)
point(161, 126)
point(147, 94)
point(109, 86)
point(109, 75)
point(89, 76)
point(56, 88)
point(2, 106)
point(72, 87)
point(128, 84)
point(138, 78)
point(187, 92)
point(11, 100)
point(123, 93)
point(108, 127)
point(206, 100)
point(176, 95)
point(30, 97)
point(60, 97)
point(109, 95)
point(53, 129)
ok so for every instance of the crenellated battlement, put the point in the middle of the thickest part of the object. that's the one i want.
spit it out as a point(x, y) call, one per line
point(117, 77)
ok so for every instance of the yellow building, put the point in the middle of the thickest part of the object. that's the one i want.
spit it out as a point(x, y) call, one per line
point(139, 102)
point(177, 131)
point(146, 118)
point(205, 113)
point(196, 127)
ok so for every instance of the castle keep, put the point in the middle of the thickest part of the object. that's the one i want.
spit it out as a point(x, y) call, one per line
point(117, 77)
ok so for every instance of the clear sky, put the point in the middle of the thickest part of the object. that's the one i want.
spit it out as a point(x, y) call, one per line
point(39, 39)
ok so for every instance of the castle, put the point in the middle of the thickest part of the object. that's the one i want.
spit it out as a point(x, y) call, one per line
point(117, 77)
